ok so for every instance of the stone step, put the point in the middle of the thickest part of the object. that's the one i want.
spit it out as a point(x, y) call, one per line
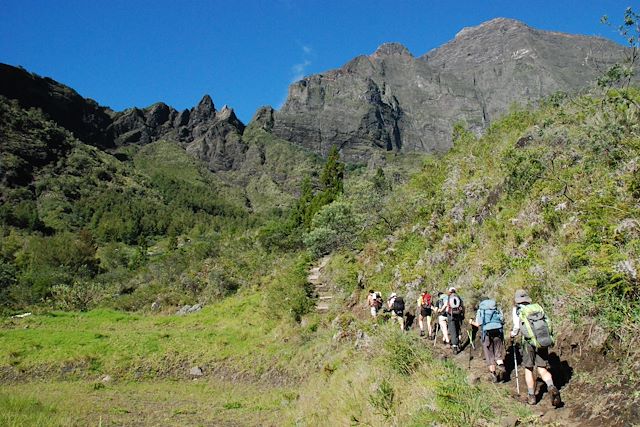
point(325, 297)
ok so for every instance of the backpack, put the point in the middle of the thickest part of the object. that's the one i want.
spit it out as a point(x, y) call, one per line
point(377, 299)
point(426, 300)
point(398, 306)
point(456, 308)
point(492, 318)
point(535, 325)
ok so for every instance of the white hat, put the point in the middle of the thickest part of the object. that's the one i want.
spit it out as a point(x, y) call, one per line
point(452, 289)
point(393, 295)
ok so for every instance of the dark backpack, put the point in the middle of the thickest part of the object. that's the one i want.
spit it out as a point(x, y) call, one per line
point(456, 306)
point(535, 325)
point(398, 306)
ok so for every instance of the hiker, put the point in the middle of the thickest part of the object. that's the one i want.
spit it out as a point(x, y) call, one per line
point(455, 314)
point(490, 320)
point(530, 320)
point(442, 316)
point(374, 301)
point(424, 310)
point(396, 307)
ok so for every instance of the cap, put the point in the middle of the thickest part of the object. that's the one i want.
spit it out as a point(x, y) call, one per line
point(452, 289)
point(522, 297)
point(393, 295)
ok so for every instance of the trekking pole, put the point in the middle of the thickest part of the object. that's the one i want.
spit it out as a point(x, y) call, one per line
point(435, 336)
point(470, 339)
point(471, 348)
point(515, 363)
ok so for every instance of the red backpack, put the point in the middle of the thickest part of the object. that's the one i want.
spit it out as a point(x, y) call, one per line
point(426, 300)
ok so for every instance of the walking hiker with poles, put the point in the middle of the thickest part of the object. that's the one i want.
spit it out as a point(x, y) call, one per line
point(490, 320)
point(455, 314)
point(531, 320)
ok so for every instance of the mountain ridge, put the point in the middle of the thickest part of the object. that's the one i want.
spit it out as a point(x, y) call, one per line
point(389, 100)
point(396, 101)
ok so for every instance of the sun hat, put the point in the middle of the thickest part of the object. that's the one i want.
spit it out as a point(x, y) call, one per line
point(522, 297)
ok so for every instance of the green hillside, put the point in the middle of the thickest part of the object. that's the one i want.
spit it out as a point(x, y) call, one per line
point(546, 199)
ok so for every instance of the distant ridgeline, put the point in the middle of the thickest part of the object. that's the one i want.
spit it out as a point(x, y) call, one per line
point(389, 100)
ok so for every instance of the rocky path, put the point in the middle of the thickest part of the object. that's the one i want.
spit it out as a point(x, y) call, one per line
point(322, 290)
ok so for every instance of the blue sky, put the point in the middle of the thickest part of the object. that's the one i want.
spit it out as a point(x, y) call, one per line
point(243, 53)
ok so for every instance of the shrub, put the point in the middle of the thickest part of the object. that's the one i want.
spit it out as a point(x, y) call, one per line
point(333, 226)
point(78, 295)
point(403, 352)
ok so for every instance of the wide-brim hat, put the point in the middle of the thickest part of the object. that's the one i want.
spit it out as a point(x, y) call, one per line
point(522, 297)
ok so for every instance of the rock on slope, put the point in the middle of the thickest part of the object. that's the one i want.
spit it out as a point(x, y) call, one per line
point(394, 101)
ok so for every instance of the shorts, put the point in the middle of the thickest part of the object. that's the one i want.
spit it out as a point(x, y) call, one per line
point(532, 356)
point(425, 312)
point(493, 346)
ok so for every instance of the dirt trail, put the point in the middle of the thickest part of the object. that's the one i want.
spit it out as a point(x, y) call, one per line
point(322, 290)
point(478, 371)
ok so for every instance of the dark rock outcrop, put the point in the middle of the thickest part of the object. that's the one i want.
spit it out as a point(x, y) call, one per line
point(84, 117)
point(212, 136)
point(391, 100)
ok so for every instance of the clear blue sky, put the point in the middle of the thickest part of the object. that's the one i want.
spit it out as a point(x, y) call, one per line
point(125, 53)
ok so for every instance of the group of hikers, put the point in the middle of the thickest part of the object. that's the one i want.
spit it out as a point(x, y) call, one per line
point(529, 321)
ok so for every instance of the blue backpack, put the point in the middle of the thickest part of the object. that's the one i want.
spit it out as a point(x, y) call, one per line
point(491, 317)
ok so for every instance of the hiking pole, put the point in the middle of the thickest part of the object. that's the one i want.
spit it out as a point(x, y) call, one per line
point(435, 336)
point(471, 339)
point(470, 348)
point(515, 363)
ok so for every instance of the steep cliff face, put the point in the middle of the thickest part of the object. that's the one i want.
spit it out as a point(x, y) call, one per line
point(389, 100)
point(393, 101)
point(506, 61)
point(84, 117)
point(212, 136)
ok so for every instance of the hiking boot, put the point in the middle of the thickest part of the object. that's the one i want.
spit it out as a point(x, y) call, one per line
point(455, 349)
point(421, 333)
point(494, 377)
point(500, 372)
point(531, 399)
point(556, 401)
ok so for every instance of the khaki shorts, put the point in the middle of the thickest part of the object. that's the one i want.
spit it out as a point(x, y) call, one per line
point(532, 356)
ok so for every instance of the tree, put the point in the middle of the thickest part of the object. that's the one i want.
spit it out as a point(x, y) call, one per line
point(621, 74)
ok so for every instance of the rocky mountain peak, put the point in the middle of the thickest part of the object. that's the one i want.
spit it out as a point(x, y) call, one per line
point(391, 49)
point(391, 100)
point(501, 25)
point(227, 114)
point(205, 109)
